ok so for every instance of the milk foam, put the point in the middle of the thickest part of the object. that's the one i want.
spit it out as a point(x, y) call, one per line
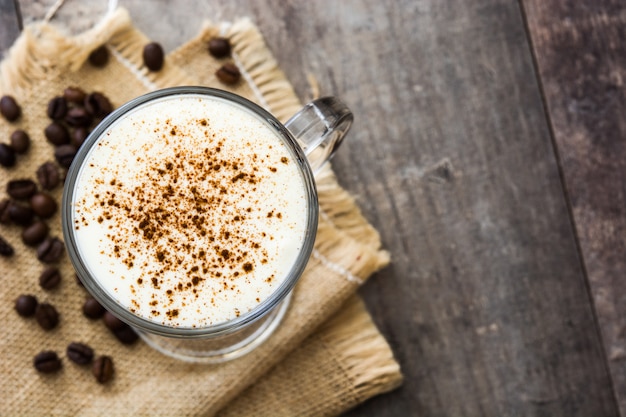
point(189, 211)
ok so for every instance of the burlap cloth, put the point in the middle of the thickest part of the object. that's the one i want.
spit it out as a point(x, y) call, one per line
point(326, 357)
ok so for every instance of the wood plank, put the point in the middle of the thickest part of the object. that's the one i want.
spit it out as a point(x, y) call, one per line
point(581, 58)
point(10, 22)
point(486, 303)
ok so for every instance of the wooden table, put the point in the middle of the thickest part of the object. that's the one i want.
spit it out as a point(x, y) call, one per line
point(489, 151)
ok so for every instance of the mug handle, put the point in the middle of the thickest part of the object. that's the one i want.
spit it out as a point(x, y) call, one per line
point(319, 128)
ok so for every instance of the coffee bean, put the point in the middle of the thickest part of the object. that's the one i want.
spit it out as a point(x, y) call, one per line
point(126, 335)
point(47, 316)
point(153, 56)
point(78, 136)
point(50, 278)
point(25, 305)
point(57, 134)
point(35, 233)
point(99, 56)
point(9, 108)
point(228, 73)
point(20, 141)
point(50, 250)
point(78, 117)
point(122, 331)
point(98, 104)
point(43, 204)
point(57, 108)
point(5, 248)
point(219, 47)
point(21, 189)
point(5, 217)
point(47, 362)
point(48, 175)
point(92, 308)
point(112, 322)
point(102, 369)
point(79, 353)
point(21, 214)
point(74, 95)
point(65, 154)
point(7, 155)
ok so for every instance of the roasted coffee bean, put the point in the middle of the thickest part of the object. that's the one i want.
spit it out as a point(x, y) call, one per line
point(78, 117)
point(25, 305)
point(47, 316)
point(65, 154)
point(20, 141)
point(5, 218)
point(21, 214)
point(98, 104)
point(153, 56)
point(35, 233)
point(112, 322)
point(228, 73)
point(50, 278)
point(57, 134)
point(99, 57)
point(9, 108)
point(50, 250)
point(47, 362)
point(5, 248)
point(122, 331)
point(48, 175)
point(7, 155)
point(92, 308)
point(79, 353)
point(219, 47)
point(126, 335)
point(102, 369)
point(74, 95)
point(43, 204)
point(21, 189)
point(57, 108)
point(78, 136)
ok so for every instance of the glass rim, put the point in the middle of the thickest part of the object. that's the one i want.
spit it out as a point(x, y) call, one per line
point(142, 323)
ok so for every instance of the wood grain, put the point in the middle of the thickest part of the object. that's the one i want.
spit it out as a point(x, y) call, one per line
point(10, 22)
point(486, 302)
point(581, 57)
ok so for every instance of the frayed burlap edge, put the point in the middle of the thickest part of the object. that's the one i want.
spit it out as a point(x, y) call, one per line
point(41, 47)
point(359, 354)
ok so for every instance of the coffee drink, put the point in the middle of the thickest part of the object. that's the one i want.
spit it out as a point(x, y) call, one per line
point(189, 210)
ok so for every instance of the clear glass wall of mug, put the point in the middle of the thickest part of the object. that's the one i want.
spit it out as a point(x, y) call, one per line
point(190, 213)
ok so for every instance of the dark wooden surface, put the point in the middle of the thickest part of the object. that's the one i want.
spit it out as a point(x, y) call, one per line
point(489, 152)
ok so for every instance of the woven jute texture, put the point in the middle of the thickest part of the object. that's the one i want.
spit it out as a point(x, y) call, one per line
point(326, 357)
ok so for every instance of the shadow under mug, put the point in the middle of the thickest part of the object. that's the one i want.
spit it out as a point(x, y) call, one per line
point(312, 136)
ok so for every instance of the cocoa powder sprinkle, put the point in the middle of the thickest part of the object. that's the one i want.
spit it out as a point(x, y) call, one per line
point(169, 218)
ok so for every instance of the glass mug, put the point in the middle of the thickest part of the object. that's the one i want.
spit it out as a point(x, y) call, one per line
point(120, 198)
